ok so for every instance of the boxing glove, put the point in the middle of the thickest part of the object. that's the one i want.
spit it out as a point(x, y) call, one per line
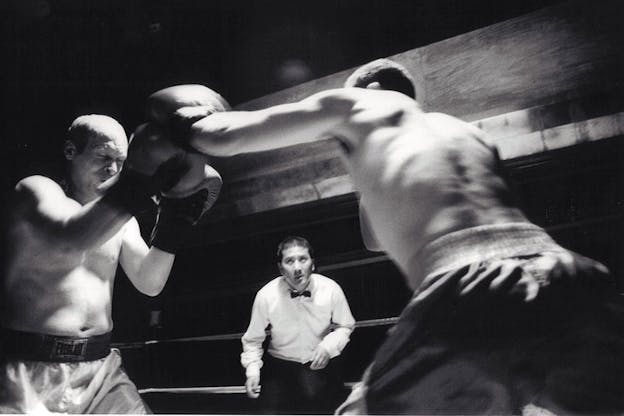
point(133, 190)
point(176, 218)
point(184, 173)
point(198, 102)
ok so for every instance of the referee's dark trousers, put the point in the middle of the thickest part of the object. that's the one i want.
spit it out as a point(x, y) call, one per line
point(289, 387)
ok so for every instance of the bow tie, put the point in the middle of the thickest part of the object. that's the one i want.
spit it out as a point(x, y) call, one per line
point(295, 294)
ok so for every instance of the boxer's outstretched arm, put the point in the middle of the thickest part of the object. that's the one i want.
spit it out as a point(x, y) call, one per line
point(312, 119)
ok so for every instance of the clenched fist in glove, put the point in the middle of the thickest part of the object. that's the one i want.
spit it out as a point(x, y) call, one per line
point(153, 153)
point(151, 147)
point(177, 108)
point(176, 218)
point(134, 189)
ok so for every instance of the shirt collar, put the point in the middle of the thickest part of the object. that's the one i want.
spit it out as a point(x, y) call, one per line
point(287, 288)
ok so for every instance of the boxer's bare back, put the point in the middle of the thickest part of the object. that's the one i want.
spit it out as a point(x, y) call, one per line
point(420, 175)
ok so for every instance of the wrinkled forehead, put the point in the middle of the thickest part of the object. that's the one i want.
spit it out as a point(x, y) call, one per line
point(114, 144)
point(295, 251)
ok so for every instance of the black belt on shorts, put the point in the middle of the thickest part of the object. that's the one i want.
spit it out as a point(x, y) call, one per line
point(41, 347)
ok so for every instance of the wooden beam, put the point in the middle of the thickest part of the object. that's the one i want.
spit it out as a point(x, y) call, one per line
point(543, 81)
point(557, 52)
point(314, 179)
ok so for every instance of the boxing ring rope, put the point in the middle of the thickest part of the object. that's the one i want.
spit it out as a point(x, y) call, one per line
point(205, 390)
point(226, 337)
point(195, 390)
point(359, 324)
point(222, 337)
point(354, 263)
point(235, 336)
point(345, 264)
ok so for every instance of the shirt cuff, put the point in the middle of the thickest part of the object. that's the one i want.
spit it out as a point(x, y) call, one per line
point(253, 370)
point(333, 352)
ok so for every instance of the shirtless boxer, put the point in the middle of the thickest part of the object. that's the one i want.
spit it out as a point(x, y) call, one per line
point(503, 320)
point(63, 243)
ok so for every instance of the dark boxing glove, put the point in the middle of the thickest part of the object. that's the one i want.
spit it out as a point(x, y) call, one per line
point(155, 163)
point(177, 108)
point(150, 148)
point(134, 190)
point(177, 217)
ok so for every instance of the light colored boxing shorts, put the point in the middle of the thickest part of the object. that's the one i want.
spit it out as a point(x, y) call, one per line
point(99, 386)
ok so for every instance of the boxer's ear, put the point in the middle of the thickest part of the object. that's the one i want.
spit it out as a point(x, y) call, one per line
point(69, 150)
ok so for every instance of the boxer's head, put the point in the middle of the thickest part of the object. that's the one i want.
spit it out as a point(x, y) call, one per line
point(295, 260)
point(95, 148)
point(383, 74)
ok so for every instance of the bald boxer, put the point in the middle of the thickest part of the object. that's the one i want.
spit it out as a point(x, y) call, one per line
point(504, 320)
point(63, 243)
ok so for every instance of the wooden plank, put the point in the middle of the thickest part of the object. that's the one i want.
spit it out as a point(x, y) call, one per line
point(558, 52)
point(543, 81)
point(326, 178)
point(527, 61)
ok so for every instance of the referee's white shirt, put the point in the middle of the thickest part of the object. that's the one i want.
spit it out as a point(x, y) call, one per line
point(297, 325)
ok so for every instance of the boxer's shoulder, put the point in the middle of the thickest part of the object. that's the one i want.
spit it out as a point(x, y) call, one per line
point(358, 99)
point(39, 193)
point(36, 183)
point(36, 188)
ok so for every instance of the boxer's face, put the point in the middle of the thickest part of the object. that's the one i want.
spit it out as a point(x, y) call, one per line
point(95, 168)
point(296, 266)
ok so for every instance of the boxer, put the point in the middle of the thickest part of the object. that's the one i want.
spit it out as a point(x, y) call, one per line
point(62, 247)
point(503, 319)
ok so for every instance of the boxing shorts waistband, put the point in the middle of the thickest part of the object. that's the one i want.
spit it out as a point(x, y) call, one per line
point(483, 243)
point(42, 347)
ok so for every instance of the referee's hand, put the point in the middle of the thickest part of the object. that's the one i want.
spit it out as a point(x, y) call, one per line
point(320, 359)
point(252, 385)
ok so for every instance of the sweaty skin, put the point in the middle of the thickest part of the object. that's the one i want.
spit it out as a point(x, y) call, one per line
point(420, 175)
point(62, 250)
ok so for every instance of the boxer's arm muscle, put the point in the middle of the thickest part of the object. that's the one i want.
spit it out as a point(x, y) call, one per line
point(147, 268)
point(312, 119)
point(62, 221)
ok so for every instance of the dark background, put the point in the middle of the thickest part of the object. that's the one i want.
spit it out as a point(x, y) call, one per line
point(63, 58)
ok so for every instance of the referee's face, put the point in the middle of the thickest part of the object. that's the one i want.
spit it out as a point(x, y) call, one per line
point(296, 266)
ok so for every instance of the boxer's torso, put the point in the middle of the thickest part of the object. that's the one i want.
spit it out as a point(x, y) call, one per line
point(424, 175)
point(53, 290)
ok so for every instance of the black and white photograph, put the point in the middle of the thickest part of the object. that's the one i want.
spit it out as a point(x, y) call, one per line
point(405, 207)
